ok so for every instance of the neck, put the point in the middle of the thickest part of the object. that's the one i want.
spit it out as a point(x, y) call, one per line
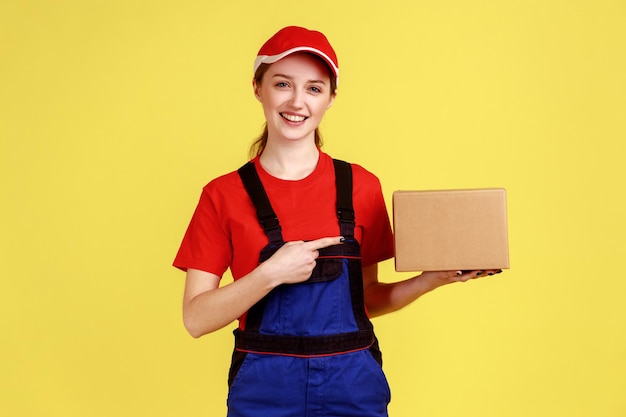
point(292, 163)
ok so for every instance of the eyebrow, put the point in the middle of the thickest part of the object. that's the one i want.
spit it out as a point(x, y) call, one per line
point(291, 78)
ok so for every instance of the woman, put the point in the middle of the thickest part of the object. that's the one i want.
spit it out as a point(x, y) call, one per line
point(302, 235)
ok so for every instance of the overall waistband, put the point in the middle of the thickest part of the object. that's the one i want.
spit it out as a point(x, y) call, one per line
point(323, 345)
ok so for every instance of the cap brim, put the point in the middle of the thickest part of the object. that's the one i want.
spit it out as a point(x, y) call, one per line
point(270, 59)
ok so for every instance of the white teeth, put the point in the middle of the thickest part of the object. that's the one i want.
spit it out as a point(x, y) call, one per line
point(293, 118)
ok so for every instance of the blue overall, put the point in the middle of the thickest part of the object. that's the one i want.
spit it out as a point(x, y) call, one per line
point(309, 349)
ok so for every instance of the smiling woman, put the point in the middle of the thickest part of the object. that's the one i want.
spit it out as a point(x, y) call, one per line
point(302, 234)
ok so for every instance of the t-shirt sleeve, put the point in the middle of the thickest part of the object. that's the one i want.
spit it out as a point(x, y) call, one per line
point(206, 244)
point(377, 238)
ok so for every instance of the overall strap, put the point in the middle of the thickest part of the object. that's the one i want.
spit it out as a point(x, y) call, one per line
point(345, 209)
point(267, 217)
point(264, 211)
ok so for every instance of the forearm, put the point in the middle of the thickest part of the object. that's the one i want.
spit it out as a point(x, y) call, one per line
point(208, 307)
point(212, 309)
point(382, 298)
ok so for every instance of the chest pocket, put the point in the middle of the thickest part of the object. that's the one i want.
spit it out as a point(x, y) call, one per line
point(327, 269)
point(329, 265)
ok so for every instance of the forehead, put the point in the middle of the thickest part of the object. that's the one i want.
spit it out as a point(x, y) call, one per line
point(300, 65)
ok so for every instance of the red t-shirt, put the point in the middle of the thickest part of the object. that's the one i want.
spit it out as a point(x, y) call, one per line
point(224, 231)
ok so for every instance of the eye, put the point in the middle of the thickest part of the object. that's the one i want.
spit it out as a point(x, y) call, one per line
point(315, 89)
point(282, 84)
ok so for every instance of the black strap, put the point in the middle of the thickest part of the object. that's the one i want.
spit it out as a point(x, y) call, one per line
point(345, 209)
point(264, 211)
point(304, 345)
point(267, 217)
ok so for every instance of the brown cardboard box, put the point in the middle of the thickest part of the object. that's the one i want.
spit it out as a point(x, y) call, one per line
point(450, 230)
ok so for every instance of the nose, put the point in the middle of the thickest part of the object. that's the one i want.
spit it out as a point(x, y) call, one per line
point(297, 99)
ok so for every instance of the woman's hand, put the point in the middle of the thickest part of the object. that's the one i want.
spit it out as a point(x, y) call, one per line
point(439, 278)
point(383, 298)
point(294, 261)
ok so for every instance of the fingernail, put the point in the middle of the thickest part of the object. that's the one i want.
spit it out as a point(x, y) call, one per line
point(343, 239)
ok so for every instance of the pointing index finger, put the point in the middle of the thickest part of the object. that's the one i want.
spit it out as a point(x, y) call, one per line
point(325, 242)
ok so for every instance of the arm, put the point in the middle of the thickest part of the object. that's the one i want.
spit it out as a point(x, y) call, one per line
point(208, 307)
point(382, 298)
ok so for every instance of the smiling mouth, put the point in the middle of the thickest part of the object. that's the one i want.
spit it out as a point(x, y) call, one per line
point(293, 118)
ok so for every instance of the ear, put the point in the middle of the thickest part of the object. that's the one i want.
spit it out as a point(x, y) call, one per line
point(257, 90)
point(331, 101)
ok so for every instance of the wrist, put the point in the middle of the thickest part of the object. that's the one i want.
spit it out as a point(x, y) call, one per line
point(433, 280)
point(267, 276)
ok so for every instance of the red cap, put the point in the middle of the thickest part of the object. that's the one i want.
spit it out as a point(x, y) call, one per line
point(297, 39)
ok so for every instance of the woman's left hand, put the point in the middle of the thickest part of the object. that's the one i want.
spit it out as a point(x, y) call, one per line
point(439, 278)
point(383, 298)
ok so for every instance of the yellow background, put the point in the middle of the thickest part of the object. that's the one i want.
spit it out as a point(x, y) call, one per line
point(114, 114)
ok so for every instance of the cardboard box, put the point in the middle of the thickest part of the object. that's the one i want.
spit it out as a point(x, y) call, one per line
point(448, 230)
